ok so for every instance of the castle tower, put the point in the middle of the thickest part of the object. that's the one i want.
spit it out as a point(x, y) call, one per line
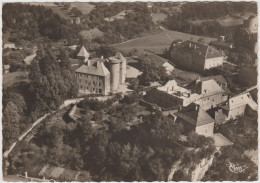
point(83, 54)
point(115, 73)
point(122, 72)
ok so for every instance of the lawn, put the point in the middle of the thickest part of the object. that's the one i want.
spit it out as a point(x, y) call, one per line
point(157, 42)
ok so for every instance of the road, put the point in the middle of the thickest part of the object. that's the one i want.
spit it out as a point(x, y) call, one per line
point(65, 104)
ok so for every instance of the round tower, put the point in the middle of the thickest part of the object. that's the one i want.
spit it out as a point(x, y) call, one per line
point(114, 72)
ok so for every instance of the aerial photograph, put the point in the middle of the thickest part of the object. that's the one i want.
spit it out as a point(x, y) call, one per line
point(129, 91)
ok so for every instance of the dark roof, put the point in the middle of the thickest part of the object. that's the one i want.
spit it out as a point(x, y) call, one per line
point(195, 115)
point(159, 61)
point(198, 49)
point(222, 44)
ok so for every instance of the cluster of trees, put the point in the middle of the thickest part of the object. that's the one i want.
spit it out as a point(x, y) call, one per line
point(31, 22)
point(51, 82)
point(244, 134)
point(144, 153)
point(181, 21)
point(152, 72)
point(133, 25)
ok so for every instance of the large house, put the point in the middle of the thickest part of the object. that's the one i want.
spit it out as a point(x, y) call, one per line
point(94, 77)
point(195, 119)
point(195, 56)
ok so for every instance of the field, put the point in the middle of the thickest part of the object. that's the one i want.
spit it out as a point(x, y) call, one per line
point(157, 42)
point(229, 20)
point(12, 78)
point(158, 17)
point(91, 34)
point(84, 7)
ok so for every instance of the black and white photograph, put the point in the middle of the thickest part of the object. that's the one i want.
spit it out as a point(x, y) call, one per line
point(118, 91)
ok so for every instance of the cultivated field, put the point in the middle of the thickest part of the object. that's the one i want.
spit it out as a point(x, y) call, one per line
point(157, 42)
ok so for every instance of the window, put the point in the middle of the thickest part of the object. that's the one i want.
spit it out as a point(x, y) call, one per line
point(100, 90)
point(79, 80)
point(80, 86)
point(99, 83)
point(93, 89)
point(87, 88)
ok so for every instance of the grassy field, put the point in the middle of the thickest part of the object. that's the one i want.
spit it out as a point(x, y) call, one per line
point(84, 7)
point(12, 78)
point(157, 42)
point(229, 20)
point(157, 17)
point(91, 34)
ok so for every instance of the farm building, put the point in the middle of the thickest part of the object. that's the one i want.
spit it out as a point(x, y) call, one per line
point(195, 119)
point(195, 56)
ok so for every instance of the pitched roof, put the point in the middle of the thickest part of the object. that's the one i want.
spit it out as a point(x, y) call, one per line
point(83, 52)
point(158, 61)
point(195, 115)
point(198, 49)
point(119, 56)
point(98, 69)
point(204, 87)
point(240, 100)
point(218, 79)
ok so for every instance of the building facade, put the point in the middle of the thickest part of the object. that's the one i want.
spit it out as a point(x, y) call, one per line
point(195, 56)
point(94, 77)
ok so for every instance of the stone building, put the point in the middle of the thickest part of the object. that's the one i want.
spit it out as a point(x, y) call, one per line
point(211, 93)
point(236, 106)
point(94, 77)
point(195, 119)
point(195, 56)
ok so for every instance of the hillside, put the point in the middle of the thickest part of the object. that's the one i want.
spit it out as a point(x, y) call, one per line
point(157, 42)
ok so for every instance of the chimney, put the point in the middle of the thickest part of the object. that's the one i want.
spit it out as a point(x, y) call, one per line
point(89, 63)
point(26, 175)
point(195, 47)
point(190, 45)
point(102, 57)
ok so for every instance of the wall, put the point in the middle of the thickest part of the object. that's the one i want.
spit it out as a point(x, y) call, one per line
point(239, 111)
point(115, 74)
point(212, 101)
point(213, 62)
point(122, 72)
point(206, 130)
point(92, 83)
